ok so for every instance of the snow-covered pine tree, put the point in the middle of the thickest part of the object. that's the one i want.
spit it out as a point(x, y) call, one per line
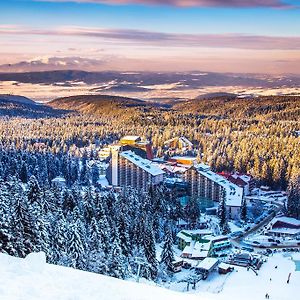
point(84, 174)
point(88, 201)
point(23, 173)
point(6, 237)
point(24, 229)
point(43, 231)
point(243, 214)
point(58, 239)
point(76, 245)
point(95, 174)
point(94, 241)
point(293, 202)
point(33, 190)
point(117, 262)
point(192, 211)
point(122, 226)
point(6, 234)
point(74, 170)
point(167, 254)
point(222, 213)
point(104, 234)
point(95, 257)
point(150, 251)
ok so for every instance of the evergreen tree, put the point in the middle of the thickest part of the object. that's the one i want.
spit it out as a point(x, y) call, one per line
point(76, 244)
point(34, 191)
point(192, 211)
point(117, 264)
point(243, 214)
point(23, 174)
point(293, 203)
point(222, 213)
point(104, 234)
point(58, 240)
point(167, 255)
point(95, 174)
point(150, 251)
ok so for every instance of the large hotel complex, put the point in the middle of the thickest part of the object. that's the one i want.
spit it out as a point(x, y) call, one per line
point(132, 164)
point(130, 169)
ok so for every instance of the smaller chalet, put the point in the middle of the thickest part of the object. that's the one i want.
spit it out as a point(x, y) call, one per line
point(206, 266)
point(185, 237)
point(220, 243)
point(197, 250)
point(285, 227)
point(225, 268)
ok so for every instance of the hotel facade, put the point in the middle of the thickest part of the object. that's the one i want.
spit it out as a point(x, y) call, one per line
point(129, 169)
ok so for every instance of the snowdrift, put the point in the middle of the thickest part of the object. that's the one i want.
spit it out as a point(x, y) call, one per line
point(32, 279)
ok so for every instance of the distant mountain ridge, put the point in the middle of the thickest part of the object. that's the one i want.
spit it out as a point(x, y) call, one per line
point(18, 99)
point(19, 106)
point(216, 95)
point(145, 80)
point(46, 63)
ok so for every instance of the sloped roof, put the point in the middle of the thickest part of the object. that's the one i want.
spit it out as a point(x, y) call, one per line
point(142, 163)
point(287, 220)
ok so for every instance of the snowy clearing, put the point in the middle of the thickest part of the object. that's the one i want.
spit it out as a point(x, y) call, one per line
point(32, 279)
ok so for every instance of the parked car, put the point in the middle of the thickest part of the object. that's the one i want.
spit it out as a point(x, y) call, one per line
point(236, 234)
point(247, 228)
point(246, 248)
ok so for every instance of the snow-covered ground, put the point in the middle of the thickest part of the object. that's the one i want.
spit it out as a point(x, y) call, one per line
point(47, 92)
point(32, 279)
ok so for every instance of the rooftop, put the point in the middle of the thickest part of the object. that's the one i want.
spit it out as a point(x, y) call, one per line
point(58, 179)
point(130, 138)
point(197, 250)
point(142, 163)
point(290, 231)
point(234, 193)
point(287, 220)
point(208, 263)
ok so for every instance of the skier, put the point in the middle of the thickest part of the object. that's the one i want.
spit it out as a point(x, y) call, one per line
point(289, 277)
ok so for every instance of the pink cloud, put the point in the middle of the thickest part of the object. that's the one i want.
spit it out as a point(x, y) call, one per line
point(191, 3)
point(139, 37)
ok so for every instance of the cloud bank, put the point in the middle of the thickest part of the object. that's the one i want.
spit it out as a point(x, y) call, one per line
point(139, 37)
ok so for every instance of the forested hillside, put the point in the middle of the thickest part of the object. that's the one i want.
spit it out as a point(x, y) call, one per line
point(18, 106)
point(258, 136)
point(104, 105)
point(284, 108)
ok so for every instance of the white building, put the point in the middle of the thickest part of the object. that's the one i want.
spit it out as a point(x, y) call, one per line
point(129, 169)
point(206, 184)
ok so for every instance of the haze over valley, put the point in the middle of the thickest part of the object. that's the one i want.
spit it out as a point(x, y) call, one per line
point(153, 86)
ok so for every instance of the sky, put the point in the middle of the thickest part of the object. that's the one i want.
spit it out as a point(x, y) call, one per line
point(245, 36)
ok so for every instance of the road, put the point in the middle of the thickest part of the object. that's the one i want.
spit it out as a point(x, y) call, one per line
point(238, 242)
